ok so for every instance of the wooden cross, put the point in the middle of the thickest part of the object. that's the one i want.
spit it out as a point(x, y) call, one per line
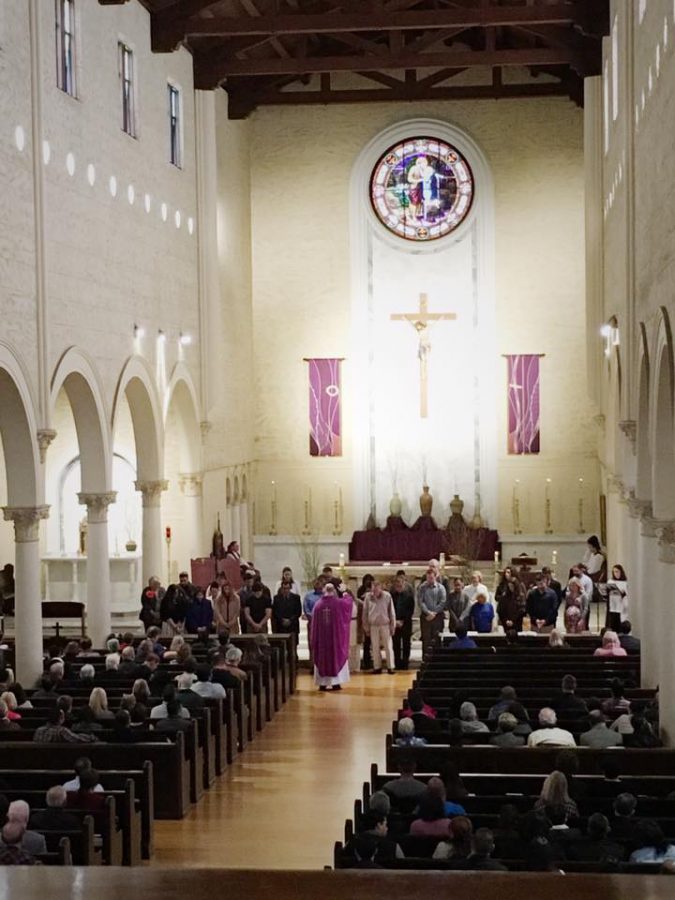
point(420, 321)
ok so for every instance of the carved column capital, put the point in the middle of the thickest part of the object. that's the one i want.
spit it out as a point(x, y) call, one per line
point(191, 483)
point(152, 491)
point(666, 537)
point(650, 526)
point(44, 438)
point(97, 506)
point(615, 485)
point(629, 429)
point(26, 521)
point(639, 509)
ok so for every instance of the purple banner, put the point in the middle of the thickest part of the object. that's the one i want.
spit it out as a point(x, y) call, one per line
point(325, 435)
point(523, 396)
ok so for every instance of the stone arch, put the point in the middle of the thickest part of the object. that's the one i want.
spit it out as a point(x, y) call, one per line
point(643, 426)
point(662, 422)
point(18, 428)
point(76, 374)
point(137, 384)
point(182, 397)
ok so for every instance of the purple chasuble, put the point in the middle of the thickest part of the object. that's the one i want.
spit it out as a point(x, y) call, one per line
point(331, 621)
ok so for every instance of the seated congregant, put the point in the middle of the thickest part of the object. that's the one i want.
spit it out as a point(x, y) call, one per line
point(471, 724)
point(55, 817)
point(480, 859)
point(628, 641)
point(548, 733)
point(406, 787)
point(610, 645)
point(506, 737)
point(406, 735)
point(462, 640)
point(432, 820)
point(567, 703)
point(32, 842)
point(599, 735)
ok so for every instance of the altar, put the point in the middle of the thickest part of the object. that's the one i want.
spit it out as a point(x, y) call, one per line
point(424, 541)
point(353, 572)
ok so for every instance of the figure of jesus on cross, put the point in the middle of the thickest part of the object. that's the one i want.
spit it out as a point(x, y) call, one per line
point(421, 320)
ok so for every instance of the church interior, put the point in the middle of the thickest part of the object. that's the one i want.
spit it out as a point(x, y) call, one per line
point(378, 292)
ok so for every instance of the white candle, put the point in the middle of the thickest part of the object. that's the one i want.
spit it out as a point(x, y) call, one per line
point(554, 558)
point(342, 560)
point(548, 489)
point(496, 556)
point(516, 485)
point(274, 491)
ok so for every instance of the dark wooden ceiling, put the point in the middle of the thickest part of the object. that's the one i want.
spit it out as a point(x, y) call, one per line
point(266, 52)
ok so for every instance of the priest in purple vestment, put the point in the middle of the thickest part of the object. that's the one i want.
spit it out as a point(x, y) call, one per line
point(331, 621)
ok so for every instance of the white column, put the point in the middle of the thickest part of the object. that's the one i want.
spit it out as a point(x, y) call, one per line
point(151, 492)
point(636, 566)
point(665, 619)
point(227, 524)
point(28, 608)
point(98, 565)
point(647, 600)
point(191, 489)
point(236, 525)
point(245, 531)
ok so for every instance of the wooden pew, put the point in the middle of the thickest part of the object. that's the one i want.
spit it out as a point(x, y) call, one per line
point(132, 790)
point(633, 761)
point(80, 843)
point(171, 768)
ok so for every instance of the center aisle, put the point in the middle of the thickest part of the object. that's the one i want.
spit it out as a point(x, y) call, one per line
point(283, 804)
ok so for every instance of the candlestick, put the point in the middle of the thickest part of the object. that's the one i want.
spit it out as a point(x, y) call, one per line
point(515, 508)
point(581, 506)
point(554, 559)
point(342, 560)
point(273, 520)
point(336, 518)
point(441, 560)
point(167, 534)
point(497, 557)
point(306, 528)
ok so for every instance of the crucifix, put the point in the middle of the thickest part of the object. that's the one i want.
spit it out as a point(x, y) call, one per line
point(420, 321)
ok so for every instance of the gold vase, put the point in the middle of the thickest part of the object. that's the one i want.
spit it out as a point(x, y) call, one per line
point(426, 501)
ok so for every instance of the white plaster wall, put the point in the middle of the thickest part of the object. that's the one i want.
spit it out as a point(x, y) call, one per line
point(648, 122)
point(301, 164)
point(229, 441)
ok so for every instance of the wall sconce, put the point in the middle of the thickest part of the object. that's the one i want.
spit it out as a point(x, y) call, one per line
point(610, 333)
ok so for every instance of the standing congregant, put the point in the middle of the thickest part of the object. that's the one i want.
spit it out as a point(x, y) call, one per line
point(433, 601)
point(329, 638)
point(379, 622)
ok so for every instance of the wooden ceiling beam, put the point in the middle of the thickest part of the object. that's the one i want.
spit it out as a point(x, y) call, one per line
point(209, 76)
point(242, 104)
point(384, 20)
point(168, 25)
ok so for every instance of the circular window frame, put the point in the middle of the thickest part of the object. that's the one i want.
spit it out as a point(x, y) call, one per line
point(412, 241)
